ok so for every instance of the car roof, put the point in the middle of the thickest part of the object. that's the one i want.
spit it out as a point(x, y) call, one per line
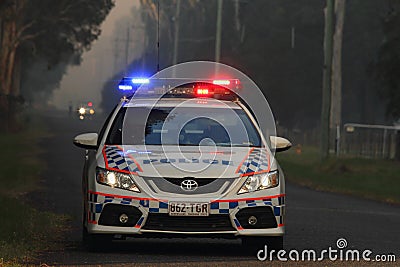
point(182, 102)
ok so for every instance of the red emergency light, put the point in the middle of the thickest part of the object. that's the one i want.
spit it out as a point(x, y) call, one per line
point(201, 91)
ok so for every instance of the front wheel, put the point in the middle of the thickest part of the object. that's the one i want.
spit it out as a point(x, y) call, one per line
point(255, 243)
point(95, 242)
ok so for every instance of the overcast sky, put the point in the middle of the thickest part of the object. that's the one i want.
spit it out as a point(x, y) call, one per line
point(84, 83)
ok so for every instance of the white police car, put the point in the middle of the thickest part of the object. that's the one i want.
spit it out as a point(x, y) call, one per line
point(192, 162)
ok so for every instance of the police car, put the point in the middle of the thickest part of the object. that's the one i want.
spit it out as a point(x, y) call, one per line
point(184, 161)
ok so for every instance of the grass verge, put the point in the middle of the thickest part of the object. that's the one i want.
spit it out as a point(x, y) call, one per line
point(24, 229)
point(367, 178)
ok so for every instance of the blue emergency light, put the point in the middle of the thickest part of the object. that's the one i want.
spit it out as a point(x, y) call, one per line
point(140, 81)
point(125, 87)
point(132, 84)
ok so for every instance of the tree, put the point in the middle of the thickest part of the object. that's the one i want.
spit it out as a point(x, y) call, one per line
point(387, 67)
point(278, 44)
point(46, 29)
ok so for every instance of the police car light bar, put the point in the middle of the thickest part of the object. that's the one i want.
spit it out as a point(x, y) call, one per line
point(131, 84)
point(222, 82)
point(140, 81)
point(202, 88)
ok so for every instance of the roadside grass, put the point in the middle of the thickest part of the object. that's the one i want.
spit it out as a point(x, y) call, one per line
point(24, 230)
point(375, 179)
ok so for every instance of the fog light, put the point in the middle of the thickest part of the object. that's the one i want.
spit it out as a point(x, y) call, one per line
point(123, 218)
point(252, 220)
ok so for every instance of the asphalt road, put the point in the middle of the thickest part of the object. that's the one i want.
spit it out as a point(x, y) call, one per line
point(315, 220)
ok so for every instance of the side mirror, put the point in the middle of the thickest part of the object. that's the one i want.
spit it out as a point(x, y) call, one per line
point(280, 143)
point(86, 140)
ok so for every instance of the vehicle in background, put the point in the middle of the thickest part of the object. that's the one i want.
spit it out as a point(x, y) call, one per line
point(86, 111)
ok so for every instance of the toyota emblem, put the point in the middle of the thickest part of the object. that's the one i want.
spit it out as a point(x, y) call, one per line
point(189, 185)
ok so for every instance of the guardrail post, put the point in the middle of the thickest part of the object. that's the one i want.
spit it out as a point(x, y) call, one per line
point(397, 148)
point(384, 144)
point(337, 140)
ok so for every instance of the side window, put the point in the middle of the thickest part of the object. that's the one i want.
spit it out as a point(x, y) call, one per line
point(114, 136)
point(103, 129)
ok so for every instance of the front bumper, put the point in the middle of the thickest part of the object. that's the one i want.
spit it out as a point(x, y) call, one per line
point(150, 216)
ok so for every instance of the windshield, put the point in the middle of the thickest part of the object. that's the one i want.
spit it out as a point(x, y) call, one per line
point(183, 126)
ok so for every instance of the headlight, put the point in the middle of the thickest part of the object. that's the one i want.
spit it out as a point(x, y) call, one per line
point(91, 111)
point(116, 179)
point(260, 182)
point(82, 111)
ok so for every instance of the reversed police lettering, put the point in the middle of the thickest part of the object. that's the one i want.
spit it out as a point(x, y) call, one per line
point(182, 160)
point(167, 160)
point(210, 161)
point(147, 161)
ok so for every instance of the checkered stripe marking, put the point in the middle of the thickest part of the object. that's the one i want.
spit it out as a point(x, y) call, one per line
point(257, 161)
point(97, 201)
point(226, 207)
point(116, 159)
point(94, 209)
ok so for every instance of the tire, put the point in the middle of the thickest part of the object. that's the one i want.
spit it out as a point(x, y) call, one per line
point(95, 242)
point(255, 243)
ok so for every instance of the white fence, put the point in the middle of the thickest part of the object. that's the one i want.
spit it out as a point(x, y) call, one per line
point(371, 141)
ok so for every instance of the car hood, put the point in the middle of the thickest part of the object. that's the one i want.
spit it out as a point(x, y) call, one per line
point(187, 161)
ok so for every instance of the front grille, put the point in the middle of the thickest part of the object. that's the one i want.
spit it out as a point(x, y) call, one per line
point(211, 223)
point(265, 217)
point(173, 185)
point(200, 182)
point(111, 212)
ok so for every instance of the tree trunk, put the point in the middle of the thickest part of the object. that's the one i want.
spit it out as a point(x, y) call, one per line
point(336, 93)
point(4, 56)
point(336, 98)
point(7, 65)
point(4, 91)
point(327, 78)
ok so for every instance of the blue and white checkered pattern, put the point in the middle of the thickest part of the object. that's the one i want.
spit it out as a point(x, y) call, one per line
point(256, 161)
point(97, 201)
point(226, 207)
point(116, 159)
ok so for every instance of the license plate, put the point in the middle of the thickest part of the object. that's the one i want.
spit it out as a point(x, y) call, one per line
point(188, 209)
